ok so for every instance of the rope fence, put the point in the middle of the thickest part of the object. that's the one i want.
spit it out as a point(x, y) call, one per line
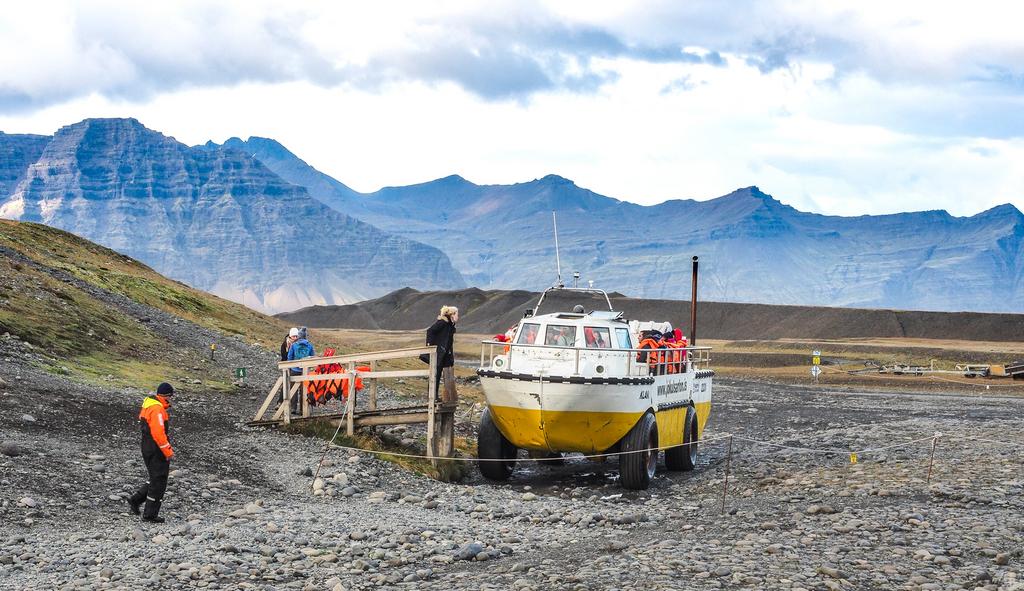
point(853, 454)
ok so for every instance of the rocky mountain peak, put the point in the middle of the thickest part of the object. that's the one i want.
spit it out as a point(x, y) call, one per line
point(1004, 210)
point(101, 135)
point(121, 126)
point(454, 179)
point(554, 180)
point(261, 145)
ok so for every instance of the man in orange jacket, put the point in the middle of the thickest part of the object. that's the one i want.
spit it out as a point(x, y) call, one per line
point(156, 452)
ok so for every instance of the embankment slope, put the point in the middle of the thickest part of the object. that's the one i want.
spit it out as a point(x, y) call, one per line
point(85, 309)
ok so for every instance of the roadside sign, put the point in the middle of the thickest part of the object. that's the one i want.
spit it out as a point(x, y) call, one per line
point(816, 371)
point(240, 373)
point(816, 357)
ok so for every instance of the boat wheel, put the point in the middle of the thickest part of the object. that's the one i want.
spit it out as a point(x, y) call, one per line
point(684, 457)
point(492, 445)
point(636, 469)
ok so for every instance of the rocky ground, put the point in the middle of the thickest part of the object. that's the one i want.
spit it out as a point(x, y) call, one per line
point(244, 512)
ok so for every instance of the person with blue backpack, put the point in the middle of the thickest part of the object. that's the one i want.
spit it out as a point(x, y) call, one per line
point(300, 349)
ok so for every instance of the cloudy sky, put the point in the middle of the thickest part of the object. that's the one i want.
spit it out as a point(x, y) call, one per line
point(834, 107)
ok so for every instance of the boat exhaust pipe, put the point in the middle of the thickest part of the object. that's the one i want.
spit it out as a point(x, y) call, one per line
point(693, 305)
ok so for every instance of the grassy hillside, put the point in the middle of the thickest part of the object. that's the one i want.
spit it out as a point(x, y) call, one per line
point(59, 293)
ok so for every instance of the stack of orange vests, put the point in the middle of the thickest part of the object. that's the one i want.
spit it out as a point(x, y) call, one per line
point(321, 391)
point(654, 358)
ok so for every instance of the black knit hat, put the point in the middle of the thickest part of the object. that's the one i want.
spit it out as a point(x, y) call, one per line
point(165, 389)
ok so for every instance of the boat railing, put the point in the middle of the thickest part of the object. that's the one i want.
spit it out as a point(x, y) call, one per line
point(617, 362)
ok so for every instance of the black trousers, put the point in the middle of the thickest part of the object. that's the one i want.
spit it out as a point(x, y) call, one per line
point(153, 491)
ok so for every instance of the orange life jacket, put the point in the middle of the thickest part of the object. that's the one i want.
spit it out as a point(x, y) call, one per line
point(675, 356)
point(154, 415)
point(321, 391)
point(654, 357)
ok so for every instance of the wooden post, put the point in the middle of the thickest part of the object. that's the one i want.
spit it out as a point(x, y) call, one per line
point(286, 405)
point(373, 387)
point(350, 405)
point(305, 394)
point(446, 422)
point(728, 461)
point(931, 460)
point(431, 403)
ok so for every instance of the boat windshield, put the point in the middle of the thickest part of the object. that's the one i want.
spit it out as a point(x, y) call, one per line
point(528, 334)
point(597, 337)
point(560, 335)
point(625, 342)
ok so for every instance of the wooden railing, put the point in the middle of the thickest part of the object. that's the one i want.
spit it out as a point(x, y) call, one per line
point(438, 413)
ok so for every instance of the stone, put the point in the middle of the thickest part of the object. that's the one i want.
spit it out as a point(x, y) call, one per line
point(27, 502)
point(529, 496)
point(833, 572)
point(469, 551)
point(11, 449)
point(27, 418)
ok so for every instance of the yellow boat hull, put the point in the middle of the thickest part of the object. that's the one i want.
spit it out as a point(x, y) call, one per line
point(558, 417)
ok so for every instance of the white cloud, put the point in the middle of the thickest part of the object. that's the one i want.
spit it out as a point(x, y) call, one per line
point(841, 108)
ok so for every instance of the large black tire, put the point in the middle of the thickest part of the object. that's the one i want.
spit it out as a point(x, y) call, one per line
point(683, 458)
point(492, 445)
point(637, 469)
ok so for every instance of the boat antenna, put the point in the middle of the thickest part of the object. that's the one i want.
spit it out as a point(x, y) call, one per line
point(558, 261)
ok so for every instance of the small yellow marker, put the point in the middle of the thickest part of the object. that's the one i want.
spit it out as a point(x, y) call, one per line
point(853, 458)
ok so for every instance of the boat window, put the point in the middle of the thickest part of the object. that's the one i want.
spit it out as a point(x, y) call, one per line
point(622, 334)
point(597, 337)
point(528, 334)
point(560, 335)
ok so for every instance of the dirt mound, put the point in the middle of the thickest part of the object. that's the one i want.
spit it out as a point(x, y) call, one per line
point(495, 310)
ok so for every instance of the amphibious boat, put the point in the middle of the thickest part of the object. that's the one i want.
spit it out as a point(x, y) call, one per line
point(578, 381)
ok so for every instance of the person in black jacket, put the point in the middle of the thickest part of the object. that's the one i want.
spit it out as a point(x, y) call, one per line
point(293, 335)
point(441, 334)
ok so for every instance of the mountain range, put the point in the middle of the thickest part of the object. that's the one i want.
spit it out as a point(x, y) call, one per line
point(214, 218)
point(251, 221)
point(753, 247)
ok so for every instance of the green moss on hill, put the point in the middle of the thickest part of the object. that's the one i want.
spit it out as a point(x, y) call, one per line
point(112, 271)
point(93, 338)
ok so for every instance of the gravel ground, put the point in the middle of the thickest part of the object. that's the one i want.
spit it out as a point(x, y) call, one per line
point(243, 511)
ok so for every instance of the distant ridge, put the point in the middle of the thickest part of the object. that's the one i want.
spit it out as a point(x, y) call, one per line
point(493, 311)
point(754, 247)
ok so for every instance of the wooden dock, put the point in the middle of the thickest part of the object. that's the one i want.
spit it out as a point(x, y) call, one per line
point(438, 412)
